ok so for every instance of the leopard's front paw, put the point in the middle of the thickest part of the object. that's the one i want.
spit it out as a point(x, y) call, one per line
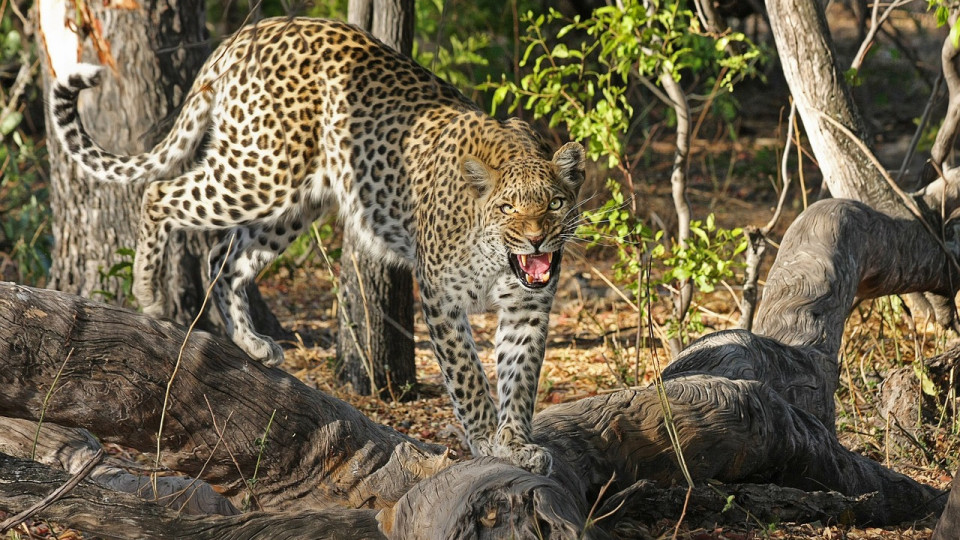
point(531, 457)
point(481, 447)
point(264, 350)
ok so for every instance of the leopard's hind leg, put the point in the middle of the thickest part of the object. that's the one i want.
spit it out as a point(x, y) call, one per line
point(167, 205)
point(238, 258)
point(234, 264)
point(196, 200)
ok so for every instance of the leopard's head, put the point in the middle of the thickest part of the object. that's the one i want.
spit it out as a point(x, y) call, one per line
point(530, 206)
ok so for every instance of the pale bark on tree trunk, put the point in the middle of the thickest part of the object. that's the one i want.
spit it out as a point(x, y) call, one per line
point(820, 90)
point(375, 344)
point(158, 49)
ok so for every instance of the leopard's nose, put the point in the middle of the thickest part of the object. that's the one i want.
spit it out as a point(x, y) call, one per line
point(535, 241)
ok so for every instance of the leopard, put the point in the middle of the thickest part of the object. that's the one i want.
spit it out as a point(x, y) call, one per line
point(292, 118)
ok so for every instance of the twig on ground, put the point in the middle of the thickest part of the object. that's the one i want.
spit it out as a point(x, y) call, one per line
point(176, 367)
point(55, 494)
point(43, 408)
point(220, 431)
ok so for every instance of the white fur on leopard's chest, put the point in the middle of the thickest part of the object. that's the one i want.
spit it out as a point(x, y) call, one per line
point(469, 279)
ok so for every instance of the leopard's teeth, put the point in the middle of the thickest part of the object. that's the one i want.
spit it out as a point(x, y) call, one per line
point(523, 260)
point(545, 277)
point(529, 279)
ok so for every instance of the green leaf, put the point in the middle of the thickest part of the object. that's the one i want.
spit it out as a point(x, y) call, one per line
point(926, 383)
point(700, 233)
point(499, 95)
point(943, 15)
point(10, 122)
point(852, 77)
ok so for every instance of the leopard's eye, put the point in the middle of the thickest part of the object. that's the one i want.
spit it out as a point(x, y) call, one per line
point(556, 203)
point(508, 209)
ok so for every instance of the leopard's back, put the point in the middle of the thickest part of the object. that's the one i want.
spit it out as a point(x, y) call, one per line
point(320, 109)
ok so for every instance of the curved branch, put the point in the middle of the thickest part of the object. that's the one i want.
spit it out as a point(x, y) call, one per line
point(678, 183)
point(947, 134)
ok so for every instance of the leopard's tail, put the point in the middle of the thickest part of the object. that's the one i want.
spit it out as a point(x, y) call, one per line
point(163, 161)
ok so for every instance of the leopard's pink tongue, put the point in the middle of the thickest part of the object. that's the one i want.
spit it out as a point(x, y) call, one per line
point(536, 265)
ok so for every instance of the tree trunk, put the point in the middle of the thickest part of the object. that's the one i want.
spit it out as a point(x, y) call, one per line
point(158, 49)
point(93, 220)
point(808, 59)
point(819, 90)
point(948, 528)
point(375, 346)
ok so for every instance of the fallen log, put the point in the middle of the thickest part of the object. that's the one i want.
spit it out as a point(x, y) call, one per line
point(747, 407)
point(110, 514)
point(71, 448)
point(111, 368)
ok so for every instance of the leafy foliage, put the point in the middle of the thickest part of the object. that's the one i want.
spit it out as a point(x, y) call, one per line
point(121, 271)
point(585, 87)
point(709, 257)
point(25, 237)
point(583, 75)
point(453, 59)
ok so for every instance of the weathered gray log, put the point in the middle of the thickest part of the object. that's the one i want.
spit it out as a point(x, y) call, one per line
point(747, 407)
point(110, 514)
point(726, 427)
point(730, 430)
point(116, 365)
point(732, 503)
point(506, 493)
point(71, 448)
point(837, 252)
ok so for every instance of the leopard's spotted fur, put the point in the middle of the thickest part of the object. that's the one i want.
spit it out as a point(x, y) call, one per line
point(303, 112)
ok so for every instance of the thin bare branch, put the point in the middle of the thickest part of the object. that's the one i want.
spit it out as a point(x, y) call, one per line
point(54, 495)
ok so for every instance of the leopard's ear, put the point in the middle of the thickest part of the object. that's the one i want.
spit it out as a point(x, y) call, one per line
point(479, 177)
point(570, 165)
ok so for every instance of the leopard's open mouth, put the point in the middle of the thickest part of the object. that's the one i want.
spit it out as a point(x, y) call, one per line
point(535, 270)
